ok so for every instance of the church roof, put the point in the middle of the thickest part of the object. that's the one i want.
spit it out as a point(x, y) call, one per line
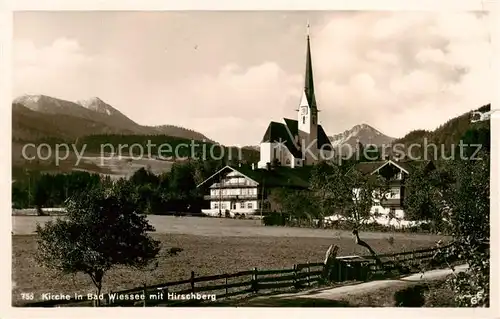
point(287, 133)
point(277, 133)
point(309, 83)
point(323, 140)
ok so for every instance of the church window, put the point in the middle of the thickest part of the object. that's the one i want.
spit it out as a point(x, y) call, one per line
point(303, 120)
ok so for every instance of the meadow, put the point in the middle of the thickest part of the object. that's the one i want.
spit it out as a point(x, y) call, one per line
point(210, 246)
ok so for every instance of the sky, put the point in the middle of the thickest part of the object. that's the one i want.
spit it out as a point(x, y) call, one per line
point(228, 74)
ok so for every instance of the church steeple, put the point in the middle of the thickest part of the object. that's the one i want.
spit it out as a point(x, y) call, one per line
point(309, 83)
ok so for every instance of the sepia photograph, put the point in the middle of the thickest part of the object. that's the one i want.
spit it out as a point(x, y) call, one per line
point(324, 159)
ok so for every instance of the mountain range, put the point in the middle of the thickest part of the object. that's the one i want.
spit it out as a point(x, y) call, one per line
point(40, 116)
point(36, 117)
point(362, 133)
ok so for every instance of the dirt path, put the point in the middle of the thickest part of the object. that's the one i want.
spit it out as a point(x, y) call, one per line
point(352, 290)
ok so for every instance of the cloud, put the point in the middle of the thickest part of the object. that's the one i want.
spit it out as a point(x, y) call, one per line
point(233, 106)
point(397, 71)
point(403, 71)
point(61, 69)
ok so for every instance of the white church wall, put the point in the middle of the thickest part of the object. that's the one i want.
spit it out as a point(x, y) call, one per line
point(266, 153)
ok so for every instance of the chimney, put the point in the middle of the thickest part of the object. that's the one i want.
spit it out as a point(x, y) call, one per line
point(253, 166)
point(239, 164)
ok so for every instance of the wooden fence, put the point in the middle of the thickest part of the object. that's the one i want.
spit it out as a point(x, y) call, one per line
point(252, 282)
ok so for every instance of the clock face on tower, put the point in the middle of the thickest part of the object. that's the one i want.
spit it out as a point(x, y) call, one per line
point(304, 110)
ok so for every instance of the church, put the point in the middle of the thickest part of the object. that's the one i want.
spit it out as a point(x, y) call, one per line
point(299, 142)
point(287, 152)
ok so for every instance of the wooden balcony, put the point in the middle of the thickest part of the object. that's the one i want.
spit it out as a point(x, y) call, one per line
point(230, 197)
point(224, 185)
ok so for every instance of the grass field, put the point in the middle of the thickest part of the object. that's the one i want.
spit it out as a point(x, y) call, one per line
point(210, 246)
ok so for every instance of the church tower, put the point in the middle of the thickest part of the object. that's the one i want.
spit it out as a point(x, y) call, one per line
point(299, 142)
point(308, 112)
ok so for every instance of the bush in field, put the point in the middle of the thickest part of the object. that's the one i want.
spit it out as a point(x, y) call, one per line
point(275, 219)
point(410, 297)
point(104, 227)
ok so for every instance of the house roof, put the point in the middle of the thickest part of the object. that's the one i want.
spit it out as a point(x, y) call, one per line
point(279, 176)
point(276, 177)
point(407, 165)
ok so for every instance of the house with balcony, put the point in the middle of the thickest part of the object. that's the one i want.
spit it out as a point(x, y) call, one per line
point(391, 209)
point(244, 189)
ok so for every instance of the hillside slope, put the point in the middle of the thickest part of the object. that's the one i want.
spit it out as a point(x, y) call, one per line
point(446, 137)
point(448, 133)
point(92, 116)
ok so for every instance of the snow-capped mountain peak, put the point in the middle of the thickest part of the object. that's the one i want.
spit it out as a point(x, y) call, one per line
point(97, 105)
point(362, 133)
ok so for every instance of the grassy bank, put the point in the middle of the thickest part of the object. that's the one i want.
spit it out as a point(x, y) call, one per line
point(206, 255)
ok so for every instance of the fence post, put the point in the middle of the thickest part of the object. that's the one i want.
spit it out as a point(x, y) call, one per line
point(255, 282)
point(295, 283)
point(165, 294)
point(192, 281)
point(108, 301)
point(308, 278)
point(340, 265)
point(145, 295)
point(226, 276)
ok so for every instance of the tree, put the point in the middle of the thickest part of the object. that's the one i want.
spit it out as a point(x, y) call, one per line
point(144, 176)
point(294, 203)
point(468, 198)
point(367, 191)
point(347, 192)
point(103, 228)
point(422, 199)
point(41, 194)
point(329, 189)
